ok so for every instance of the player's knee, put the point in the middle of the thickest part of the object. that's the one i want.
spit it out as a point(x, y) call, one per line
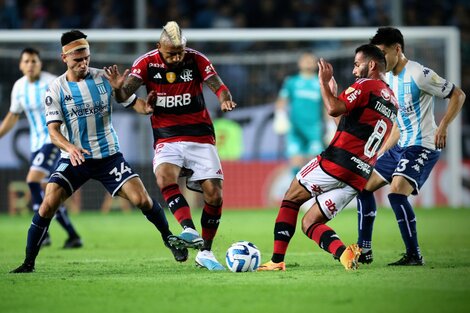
point(214, 199)
point(48, 208)
point(141, 200)
point(306, 222)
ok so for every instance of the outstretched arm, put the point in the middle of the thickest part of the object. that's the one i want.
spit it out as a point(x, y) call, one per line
point(124, 85)
point(334, 106)
point(223, 94)
point(8, 123)
point(453, 108)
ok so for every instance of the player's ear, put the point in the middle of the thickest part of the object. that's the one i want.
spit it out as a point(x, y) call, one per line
point(63, 56)
point(398, 48)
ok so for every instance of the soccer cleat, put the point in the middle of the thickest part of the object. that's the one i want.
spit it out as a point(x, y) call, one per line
point(366, 258)
point(409, 260)
point(73, 243)
point(189, 238)
point(271, 266)
point(24, 268)
point(206, 259)
point(350, 256)
point(180, 255)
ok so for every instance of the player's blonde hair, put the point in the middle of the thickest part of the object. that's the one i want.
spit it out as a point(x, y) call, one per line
point(172, 33)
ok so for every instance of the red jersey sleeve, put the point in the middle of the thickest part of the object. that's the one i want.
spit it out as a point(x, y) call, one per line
point(139, 68)
point(204, 65)
point(355, 96)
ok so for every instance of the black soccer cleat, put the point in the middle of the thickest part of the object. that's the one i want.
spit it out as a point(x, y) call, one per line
point(409, 260)
point(73, 243)
point(24, 268)
point(180, 255)
point(366, 258)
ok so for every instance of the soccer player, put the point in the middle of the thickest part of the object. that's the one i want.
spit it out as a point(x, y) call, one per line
point(78, 116)
point(27, 96)
point(184, 139)
point(299, 104)
point(368, 109)
point(414, 146)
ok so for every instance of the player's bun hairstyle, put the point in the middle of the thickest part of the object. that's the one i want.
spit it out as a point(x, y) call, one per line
point(29, 50)
point(371, 51)
point(172, 32)
point(388, 36)
point(70, 36)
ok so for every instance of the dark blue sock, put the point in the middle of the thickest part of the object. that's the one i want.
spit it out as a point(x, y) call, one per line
point(63, 218)
point(36, 195)
point(36, 233)
point(157, 217)
point(406, 222)
point(366, 212)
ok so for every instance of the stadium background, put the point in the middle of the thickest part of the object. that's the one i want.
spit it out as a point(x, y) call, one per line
point(254, 164)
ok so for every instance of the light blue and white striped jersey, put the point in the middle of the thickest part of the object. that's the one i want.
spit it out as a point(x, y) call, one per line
point(415, 88)
point(84, 110)
point(28, 97)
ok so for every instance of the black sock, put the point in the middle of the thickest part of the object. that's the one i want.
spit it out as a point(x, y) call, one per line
point(406, 222)
point(36, 195)
point(157, 217)
point(36, 233)
point(366, 212)
point(63, 218)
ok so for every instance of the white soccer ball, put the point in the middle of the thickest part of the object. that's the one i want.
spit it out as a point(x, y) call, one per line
point(243, 256)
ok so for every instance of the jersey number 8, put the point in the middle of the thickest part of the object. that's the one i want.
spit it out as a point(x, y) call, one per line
point(375, 140)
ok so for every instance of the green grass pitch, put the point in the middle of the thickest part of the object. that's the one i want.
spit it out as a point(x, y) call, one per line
point(124, 267)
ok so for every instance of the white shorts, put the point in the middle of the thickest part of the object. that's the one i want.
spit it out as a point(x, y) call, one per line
point(201, 158)
point(331, 194)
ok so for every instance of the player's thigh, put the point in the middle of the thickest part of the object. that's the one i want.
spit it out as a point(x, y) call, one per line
point(54, 196)
point(43, 162)
point(70, 177)
point(113, 172)
point(294, 145)
point(134, 191)
point(375, 182)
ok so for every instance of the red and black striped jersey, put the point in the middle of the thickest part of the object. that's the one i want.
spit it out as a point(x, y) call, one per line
point(352, 153)
point(180, 112)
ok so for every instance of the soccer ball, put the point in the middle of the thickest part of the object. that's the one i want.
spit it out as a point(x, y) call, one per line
point(243, 256)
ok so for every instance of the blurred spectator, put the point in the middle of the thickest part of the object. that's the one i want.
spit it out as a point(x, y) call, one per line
point(35, 15)
point(9, 17)
point(70, 17)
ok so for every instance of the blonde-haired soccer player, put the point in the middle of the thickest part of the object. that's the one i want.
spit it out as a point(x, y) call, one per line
point(184, 138)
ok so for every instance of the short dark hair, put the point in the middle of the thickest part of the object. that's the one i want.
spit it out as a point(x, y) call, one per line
point(29, 50)
point(371, 51)
point(388, 36)
point(70, 36)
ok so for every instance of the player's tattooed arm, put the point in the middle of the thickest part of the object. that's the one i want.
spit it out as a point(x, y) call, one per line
point(130, 86)
point(223, 94)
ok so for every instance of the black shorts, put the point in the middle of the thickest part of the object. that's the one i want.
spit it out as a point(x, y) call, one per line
point(112, 172)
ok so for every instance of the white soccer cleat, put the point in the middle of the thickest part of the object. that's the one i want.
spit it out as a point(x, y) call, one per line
point(206, 259)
